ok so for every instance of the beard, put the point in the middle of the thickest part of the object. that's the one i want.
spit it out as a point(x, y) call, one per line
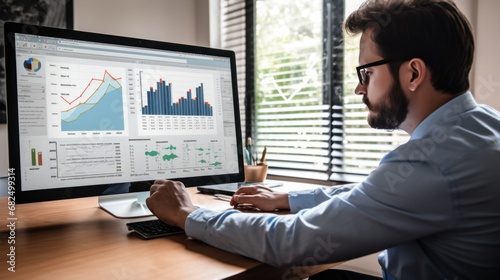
point(390, 113)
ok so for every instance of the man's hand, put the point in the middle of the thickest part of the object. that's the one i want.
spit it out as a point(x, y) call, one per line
point(170, 202)
point(261, 197)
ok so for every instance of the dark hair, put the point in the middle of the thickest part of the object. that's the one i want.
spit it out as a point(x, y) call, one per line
point(435, 31)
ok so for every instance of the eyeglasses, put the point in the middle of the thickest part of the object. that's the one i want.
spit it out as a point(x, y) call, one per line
point(361, 70)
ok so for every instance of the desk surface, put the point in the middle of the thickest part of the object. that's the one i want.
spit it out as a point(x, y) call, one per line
point(75, 239)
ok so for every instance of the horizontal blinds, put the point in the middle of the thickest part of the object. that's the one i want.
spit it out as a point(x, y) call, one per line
point(361, 147)
point(305, 137)
point(290, 118)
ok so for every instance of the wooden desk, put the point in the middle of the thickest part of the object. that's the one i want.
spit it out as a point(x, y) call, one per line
point(75, 239)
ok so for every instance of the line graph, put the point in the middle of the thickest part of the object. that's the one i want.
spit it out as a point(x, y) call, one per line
point(86, 115)
point(89, 86)
point(85, 98)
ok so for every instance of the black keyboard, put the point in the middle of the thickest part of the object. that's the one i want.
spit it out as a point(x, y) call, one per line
point(153, 228)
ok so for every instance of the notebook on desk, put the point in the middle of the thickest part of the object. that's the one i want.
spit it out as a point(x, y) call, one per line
point(230, 188)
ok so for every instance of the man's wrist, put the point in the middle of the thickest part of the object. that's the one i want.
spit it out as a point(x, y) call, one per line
point(184, 213)
point(283, 202)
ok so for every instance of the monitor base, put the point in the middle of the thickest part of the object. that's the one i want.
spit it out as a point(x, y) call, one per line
point(129, 205)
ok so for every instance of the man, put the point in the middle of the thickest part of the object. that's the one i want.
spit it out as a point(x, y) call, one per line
point(432, 205)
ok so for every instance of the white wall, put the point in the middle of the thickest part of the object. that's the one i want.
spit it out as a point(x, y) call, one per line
point(178, 21)
point(487, 72)
point(187, 21)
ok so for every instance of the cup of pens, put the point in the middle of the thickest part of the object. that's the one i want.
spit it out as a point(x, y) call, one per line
point(256, 168)
point(255, 173)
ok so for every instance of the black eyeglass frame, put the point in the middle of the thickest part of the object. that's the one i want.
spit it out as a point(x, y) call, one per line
point(371, 64)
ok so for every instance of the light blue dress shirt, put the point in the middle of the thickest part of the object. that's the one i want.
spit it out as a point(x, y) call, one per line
point(432, 205)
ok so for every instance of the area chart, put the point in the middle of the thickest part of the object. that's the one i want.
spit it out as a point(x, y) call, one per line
point(102, 110)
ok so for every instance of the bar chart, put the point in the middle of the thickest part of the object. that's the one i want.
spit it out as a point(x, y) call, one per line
point(177, 100)
point(159, 102)
point(36, 158)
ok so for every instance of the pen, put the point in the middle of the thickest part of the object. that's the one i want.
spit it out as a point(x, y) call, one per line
point(247, 157)
point(223, 197)
point(249, 149)
point(263, 157)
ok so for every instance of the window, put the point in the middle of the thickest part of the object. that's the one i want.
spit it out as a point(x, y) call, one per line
point(237, 35)
point(358, 148)
point(291, 115)
point(301, 103)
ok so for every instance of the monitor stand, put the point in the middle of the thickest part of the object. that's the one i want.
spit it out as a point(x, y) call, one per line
point(128, 205)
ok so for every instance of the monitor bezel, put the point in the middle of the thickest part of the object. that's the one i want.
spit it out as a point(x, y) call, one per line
point(23, 196)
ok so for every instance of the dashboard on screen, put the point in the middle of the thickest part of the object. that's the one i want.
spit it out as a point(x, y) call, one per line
point(91, 114)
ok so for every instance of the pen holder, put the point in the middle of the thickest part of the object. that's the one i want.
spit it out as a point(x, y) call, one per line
point(255, 173)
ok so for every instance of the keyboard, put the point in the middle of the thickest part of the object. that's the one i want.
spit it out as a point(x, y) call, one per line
point(153, 228)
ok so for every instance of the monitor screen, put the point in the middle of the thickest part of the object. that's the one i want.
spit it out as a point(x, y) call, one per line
point(92, 114)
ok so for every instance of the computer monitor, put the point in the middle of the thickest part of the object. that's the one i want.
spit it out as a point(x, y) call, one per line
point(100, 115)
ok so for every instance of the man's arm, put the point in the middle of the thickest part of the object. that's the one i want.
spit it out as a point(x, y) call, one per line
point(268, 200)
point(170, 202)
point(306, 199)
point(368, 218)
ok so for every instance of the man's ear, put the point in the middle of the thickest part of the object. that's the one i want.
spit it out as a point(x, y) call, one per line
point(416, 71)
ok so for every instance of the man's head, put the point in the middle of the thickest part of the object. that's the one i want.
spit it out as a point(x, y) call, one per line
point(429, 34)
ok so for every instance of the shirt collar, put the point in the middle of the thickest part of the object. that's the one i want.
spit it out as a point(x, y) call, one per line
point(445, 113)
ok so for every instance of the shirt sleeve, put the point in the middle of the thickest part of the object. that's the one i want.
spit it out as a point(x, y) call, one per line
point(379, 213)
point(305, 199)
